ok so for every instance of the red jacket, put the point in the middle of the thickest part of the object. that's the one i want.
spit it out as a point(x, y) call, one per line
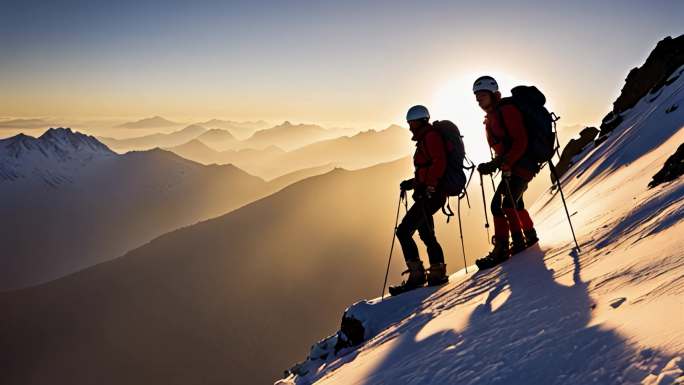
point(509, 141)
point(430, 158)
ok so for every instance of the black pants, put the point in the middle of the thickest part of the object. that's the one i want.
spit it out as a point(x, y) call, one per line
point(419, 217)
point(502, 200)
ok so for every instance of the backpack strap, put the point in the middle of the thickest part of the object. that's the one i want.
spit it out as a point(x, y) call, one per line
point(502, 121)
point(470, 177)
point(420, 144)
point(446, 210)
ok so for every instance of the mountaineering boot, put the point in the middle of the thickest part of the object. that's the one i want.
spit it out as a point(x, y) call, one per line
point(436, 275)
point(531, 237)
point(416, 278)
point(518, 243)
point(499, 254)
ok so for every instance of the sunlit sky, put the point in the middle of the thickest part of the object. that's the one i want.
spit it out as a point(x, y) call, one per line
point(334, 62)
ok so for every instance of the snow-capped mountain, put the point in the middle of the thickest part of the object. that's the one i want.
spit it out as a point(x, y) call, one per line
point(609, 313)
point(64, 184)
point(54, 157)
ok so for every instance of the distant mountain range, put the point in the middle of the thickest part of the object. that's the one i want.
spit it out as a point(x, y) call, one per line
point(150, 123)
point(74, 202)
point(218, 138)
point(361, 150)
point(288, 136)
point(241, 130)
point(147, 142)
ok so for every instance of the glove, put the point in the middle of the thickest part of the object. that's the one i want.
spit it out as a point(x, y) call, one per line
point(487, 168)
point(490, 167)
point(407, 185)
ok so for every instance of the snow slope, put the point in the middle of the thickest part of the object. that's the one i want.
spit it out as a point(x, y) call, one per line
point(611, 314)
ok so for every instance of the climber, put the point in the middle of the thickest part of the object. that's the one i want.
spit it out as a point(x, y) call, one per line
point(507, 136)
point(430, 161)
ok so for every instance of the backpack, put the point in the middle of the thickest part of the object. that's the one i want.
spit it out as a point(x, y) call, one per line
point(539, 122)
point(454, 179)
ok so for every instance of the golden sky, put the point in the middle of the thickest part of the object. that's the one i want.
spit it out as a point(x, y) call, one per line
point(352, 63)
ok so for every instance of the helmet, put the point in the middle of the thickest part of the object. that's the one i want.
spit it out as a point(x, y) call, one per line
point(417, 112)
point(485, 83)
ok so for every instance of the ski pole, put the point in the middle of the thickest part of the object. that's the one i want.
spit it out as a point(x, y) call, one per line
point(567, 213)
point(402, 195)
point(484, 204)
point(460, 230)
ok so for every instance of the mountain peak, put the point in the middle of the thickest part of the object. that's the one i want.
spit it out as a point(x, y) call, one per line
point(194, 128)
point(55, 143)
point(59, 132)
point(217, 134)
point(55, 156)
point(153, 122)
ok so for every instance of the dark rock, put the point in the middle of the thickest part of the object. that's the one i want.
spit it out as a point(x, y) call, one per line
point(672, 169)
point(608, 124)
point(351, 333)
point(667, 57)
point(574, 147)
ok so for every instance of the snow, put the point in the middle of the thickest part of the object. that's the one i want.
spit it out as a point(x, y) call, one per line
point(55, 157)
point(610, 314)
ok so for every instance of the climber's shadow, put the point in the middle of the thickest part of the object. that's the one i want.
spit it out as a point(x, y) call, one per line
point(539, 334)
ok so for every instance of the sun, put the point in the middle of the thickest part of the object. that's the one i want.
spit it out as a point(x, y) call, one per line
point(453, 100)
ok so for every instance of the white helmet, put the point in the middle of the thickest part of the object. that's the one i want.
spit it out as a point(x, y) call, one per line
point(485, 83)
point(417, 112)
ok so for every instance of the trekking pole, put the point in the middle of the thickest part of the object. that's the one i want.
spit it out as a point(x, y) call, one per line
point(460, 230)
point(402, 195)
point(555, 175)
point(484, 204)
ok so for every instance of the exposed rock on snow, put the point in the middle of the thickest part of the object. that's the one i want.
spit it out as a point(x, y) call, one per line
point(658, 70)
point(573, 148)
point(672, 169)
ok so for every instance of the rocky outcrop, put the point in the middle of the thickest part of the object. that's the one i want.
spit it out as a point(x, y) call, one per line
point(655, 73)
point(672, 169)
point(351, 334)
point(574, 147)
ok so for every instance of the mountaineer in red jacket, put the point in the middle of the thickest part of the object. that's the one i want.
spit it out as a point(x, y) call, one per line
point(430, 161)
point(507, 136)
